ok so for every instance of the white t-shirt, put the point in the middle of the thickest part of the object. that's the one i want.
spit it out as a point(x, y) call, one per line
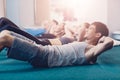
point(67, 55)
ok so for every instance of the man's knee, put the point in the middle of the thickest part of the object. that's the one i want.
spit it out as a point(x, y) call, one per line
point(4, 32)
point(2, 19)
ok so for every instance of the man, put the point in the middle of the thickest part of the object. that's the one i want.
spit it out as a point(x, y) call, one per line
point(76, 53)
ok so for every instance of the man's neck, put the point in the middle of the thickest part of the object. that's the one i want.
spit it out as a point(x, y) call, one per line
point(91, 42)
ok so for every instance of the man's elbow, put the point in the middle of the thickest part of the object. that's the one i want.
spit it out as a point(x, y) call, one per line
point(109, 45)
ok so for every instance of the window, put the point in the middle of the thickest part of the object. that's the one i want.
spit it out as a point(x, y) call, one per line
point(61, 11)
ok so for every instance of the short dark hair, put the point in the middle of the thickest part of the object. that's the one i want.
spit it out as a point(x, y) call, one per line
point(101, 27)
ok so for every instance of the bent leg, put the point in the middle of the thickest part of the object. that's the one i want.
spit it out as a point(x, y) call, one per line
point(22, 50)
point(27, 35)
point(6, 24)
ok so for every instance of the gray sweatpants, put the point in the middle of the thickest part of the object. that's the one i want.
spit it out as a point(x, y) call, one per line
point(25, 51)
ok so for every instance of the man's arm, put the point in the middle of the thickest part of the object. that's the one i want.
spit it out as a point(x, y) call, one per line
point(104, 44)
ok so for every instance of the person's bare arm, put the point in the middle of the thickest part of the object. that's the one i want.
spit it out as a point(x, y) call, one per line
point(104, 44)
point(81, 33)
point(69, 31)
point(55, 41)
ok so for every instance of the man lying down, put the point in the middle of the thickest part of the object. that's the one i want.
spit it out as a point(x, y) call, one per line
point(76, 53)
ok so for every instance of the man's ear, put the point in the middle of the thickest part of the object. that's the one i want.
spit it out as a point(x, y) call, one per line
point(98, 35)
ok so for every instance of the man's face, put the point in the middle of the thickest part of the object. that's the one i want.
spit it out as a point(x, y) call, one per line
point(90, 32)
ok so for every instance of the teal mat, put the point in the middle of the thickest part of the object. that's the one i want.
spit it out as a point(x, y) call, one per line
point(106, 68)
